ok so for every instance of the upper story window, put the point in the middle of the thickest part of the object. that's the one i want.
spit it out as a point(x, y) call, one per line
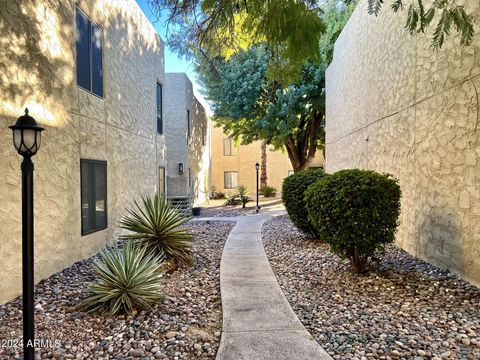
point(159, 109)
point(189, 130)
point(89, 54)
point(229, 148)
point(93, 174)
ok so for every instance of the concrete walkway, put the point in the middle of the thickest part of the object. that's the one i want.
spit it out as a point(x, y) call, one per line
point(258, 322)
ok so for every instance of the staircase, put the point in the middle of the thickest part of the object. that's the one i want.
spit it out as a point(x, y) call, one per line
point(182, 203)
point(181, 193)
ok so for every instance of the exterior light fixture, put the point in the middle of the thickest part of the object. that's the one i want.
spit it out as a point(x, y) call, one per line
point(27, 139)
point(180, 168)
point(257, 166)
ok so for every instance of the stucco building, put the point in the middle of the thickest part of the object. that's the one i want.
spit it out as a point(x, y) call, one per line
point(404, 109)
point(233, 164)
point(92, 73)
point(186, 132)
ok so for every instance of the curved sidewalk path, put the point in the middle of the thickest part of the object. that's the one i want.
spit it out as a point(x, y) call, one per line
point(258, 322)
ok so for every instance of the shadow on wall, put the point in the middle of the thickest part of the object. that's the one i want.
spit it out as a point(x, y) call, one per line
point(37, 69)
point(34, 62)
point(438, 235)
point(197, 148)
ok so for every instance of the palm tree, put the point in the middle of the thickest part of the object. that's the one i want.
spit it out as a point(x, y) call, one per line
point(263, 168)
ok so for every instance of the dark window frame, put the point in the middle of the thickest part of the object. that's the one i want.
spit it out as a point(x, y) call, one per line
point(159, 108)
point(94, 228)
point(224, 178)
point(91, 23)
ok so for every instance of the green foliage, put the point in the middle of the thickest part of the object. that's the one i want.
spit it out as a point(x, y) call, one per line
point(268, 191)
point(290, 28)
point(293, 190)
point(243, 194)
point(356, 212)
point(216, 194)
point(446, 12)
point(232, 198)
point(126, 279)
point(251, 105)
point(155, 225)
point(239, 196)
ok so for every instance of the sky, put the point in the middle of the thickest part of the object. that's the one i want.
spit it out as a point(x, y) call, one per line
point(172, 62)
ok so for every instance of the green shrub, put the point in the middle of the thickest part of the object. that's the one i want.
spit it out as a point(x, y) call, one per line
point(268, 191)
point(155, 225)
point(126, 279)
point(293, 190)
point(239, 196)
point(243, 195)
point(216, 194)
point(356, 212)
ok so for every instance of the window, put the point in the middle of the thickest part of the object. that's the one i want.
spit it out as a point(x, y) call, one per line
point(230, 179)
point(159, 109)
point(188, 125)
point(93, 175)
point(290, 172)
point(229, 148)
point(89, 54)
point(204, 135)
point(161, 180)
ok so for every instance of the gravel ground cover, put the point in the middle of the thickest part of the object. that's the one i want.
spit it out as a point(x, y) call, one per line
point(404, 308)
point(237, 210)
point(187, 325)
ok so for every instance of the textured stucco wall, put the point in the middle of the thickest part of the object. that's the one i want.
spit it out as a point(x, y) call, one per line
point(37, 69)
point(193, 152)
point(395, 105)
point(278, 163)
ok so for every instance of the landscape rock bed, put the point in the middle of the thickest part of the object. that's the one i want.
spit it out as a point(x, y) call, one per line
point(403, 309)
point(237, 210)
point(187, 325)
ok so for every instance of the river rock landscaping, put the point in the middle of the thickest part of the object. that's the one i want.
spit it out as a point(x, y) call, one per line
point(187, 325)
point(403, 308)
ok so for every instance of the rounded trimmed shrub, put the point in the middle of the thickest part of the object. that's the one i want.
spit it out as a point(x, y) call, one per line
point(356, 212)
point(293, 189)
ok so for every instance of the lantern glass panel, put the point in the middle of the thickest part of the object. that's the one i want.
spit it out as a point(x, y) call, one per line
point(17, 138)
point(29, 138)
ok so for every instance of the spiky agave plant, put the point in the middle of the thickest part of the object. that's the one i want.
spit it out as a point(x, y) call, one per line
point(155, 225)
point(126, 279)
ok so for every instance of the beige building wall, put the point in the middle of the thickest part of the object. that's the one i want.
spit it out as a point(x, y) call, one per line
point(191, 150)
point(37, 69)
point(394, 105)
point(278, 163)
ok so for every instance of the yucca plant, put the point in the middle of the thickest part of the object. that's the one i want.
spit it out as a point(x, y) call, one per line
point(126, 279)
point(155, 225)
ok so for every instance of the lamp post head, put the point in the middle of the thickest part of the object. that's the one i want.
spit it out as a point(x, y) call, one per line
point(26, 135)
point(257, 166)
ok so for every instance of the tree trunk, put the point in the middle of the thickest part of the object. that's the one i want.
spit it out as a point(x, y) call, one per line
point(263, 174)
point(302, 148)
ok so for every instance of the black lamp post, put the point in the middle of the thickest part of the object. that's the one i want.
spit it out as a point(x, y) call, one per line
point(257, 166)
point(26, 139)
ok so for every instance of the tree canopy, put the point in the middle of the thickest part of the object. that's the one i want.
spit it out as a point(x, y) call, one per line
point(291, 29)
point(250, 105)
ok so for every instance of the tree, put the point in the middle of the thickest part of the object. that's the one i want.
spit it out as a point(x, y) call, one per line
point(420, 17)
point(290, 28)
point(251, 106)
point(263, 167)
